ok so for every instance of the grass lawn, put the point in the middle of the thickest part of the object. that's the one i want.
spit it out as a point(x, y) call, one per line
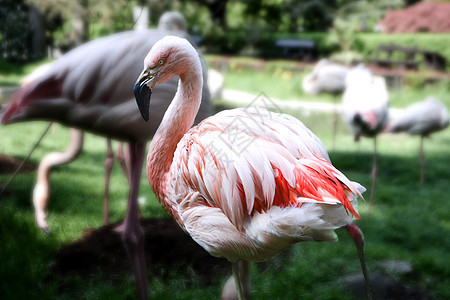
point(408, 221)
point(281, 80)
point(11, 74)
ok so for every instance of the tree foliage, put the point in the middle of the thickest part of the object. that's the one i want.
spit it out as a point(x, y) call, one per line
point(15, 31)
point(225, 25)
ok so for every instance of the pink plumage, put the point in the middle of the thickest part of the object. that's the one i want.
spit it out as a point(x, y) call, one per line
point(246, 183)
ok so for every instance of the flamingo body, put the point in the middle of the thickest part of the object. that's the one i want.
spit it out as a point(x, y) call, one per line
point(260, 197)
point(89, 88)
point(365, 109)
point(421, 118)
point(244, 183)
point(326, 77)
point(365, 102)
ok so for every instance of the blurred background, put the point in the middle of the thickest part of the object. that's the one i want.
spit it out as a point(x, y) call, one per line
point(257, 52)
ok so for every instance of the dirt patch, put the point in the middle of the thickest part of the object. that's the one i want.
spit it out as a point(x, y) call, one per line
point(168, 251)
point(10, 164)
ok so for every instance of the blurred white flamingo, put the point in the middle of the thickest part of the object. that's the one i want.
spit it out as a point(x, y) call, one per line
point(365, 108)
point(421, 118)
point(327, 77)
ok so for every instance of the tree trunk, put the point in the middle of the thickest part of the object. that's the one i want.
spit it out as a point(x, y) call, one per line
point(80, 24)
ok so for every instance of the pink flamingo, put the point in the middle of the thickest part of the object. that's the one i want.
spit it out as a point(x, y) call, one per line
point(41, 191)
point(89, 88)
point(169, 21)
point(245, 183)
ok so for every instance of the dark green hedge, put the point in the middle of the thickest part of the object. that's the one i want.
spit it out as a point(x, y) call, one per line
point(234, 42)
point(436, 42)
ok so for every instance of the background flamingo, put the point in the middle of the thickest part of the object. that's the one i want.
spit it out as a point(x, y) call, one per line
point(169, 21)
point(90, 88)
point(327, 77)
point(421, 118)
point(241, 201)
point(365, 109)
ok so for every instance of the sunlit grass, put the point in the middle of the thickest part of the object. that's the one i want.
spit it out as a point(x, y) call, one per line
point(11, 74)
point(282, 79)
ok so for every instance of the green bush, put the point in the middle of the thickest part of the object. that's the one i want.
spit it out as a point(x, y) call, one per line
point(435, 42)
point(234, 42)
point(16, 32)
point(219, 41)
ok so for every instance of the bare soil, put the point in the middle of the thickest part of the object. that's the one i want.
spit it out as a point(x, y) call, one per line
point(10, 164)
point(168, 250)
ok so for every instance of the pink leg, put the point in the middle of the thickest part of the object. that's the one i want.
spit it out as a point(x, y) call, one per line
point(124, 160)
point(374, 172)
point(230, 290)
point(358, 238)
point(41, 192)
point(335, 120)
point(108, 166)
point(422, 161)
point(133, 235)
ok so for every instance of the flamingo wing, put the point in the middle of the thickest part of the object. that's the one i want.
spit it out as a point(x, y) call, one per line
point(244, 163)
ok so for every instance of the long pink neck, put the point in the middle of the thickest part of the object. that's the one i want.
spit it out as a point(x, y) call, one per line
point(177, 120)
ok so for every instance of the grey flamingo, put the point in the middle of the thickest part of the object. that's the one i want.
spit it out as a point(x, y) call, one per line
point(327, 77)
point(421, 118)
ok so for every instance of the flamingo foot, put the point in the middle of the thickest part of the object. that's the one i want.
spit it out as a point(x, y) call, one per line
point(41, 220)
point(119, 228)
point(46, 231)
point(133, 238)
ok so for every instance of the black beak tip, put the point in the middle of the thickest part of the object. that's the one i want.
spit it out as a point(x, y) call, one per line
point(142, 93)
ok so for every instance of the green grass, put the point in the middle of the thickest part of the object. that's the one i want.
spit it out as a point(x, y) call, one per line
point(11, 74)
point(281, 80)
point(408, 221)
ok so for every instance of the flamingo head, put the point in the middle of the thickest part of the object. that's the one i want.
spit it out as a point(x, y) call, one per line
point(169, 56)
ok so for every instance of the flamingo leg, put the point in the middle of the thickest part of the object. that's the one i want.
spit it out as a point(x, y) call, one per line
point(41, 191)
point(230, 290)
point(237, 279)
point(335, 120)
point(108, 166)
point(358, 238)
point(124, 160)
point(133, 235)
point(374, 171)
point(244, 268)
point(422, 161)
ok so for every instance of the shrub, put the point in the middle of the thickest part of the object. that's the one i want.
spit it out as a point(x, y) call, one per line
point(219, 41)
point(435, 42)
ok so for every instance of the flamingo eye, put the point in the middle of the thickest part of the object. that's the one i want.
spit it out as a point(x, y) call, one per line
point(160, 62)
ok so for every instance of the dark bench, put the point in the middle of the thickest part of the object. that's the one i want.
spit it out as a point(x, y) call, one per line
point(296, 48)
point(393, 56)
point(385, 56)
point(434, 61)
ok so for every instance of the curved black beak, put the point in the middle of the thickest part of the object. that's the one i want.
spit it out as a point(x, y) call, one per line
point(142, 93)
